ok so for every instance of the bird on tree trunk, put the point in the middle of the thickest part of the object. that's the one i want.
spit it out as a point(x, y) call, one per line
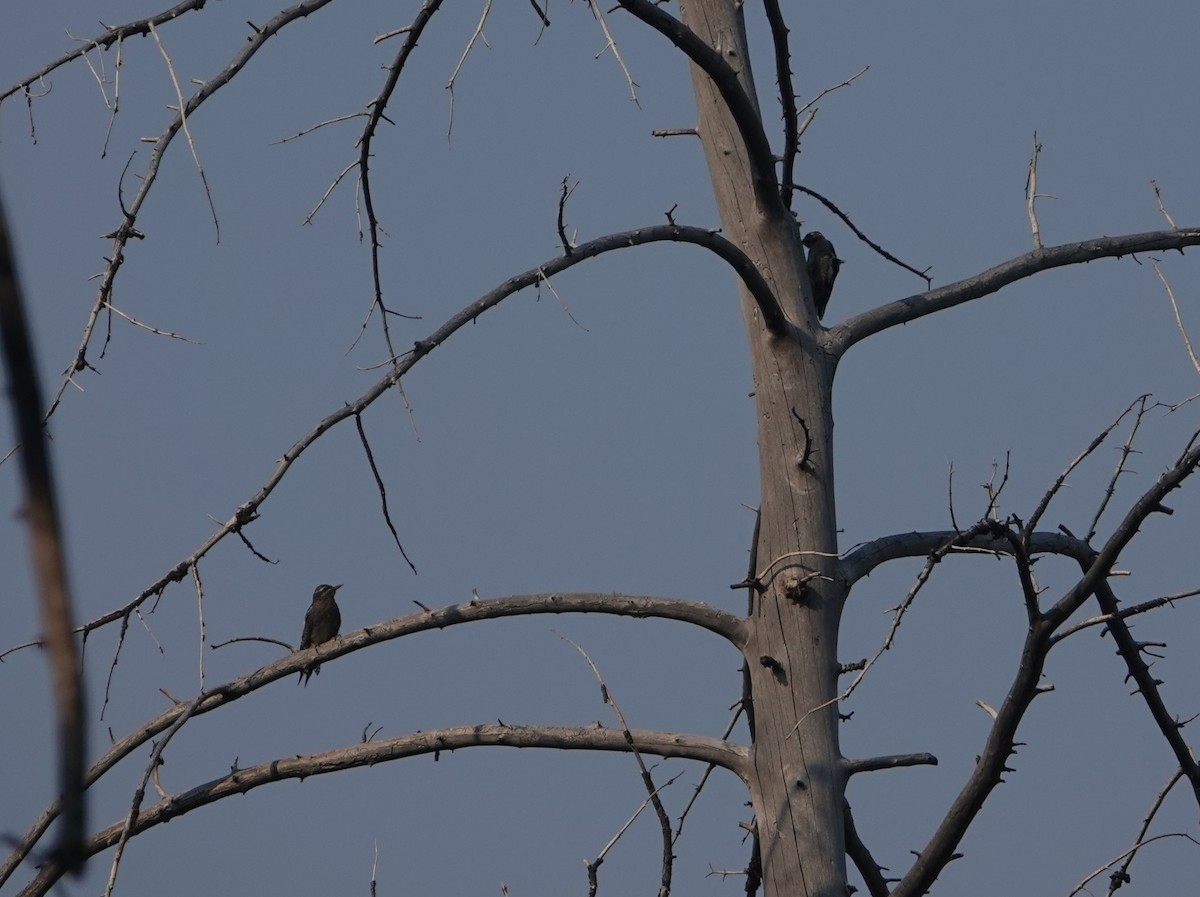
point(823, 265)
point(321, 623)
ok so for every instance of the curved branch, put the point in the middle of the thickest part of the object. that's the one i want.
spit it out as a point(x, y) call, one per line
point(863, 560)
point(740, 104)
point(727, 625)
point(868, 868)
point(248, 510)
point(377, 105)
point(852, 330)
point(588, 738)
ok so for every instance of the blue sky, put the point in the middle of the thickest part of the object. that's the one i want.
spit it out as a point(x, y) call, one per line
point(600, 440)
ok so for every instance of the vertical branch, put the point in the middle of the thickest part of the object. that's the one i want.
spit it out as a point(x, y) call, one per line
point(787, 98)
point(47, 553)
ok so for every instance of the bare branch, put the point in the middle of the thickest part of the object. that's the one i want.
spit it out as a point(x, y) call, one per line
point(107, 39)
point(387, 516)
point(1040, 511)
point(1121, 876)
point(126, 230)
point(1116, 879)
point(241, 781)
point(139, 794)
point(187, 132)
point(1031, 194)
point(866, 558)
point(1126, 450)
point(664, 888)
point(787, 99)
point(377, 107)
point(477, 34)
point(1126, 612)
point(610, 44)
point(902, 311)
point(247, 512)
point(722, 623)
point(1178, 319)
point(871, 871)
point(739, 103)
point(891, 761)
point(47, 551)
point(1161, 207)
point(1139, 671)
point(1099, 564)
point(829, 204)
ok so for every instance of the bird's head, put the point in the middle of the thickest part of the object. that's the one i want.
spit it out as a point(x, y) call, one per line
point(325, 591)
point(812, 237)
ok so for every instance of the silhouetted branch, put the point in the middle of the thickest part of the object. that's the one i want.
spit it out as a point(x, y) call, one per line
point(208, 87)
point(740, 104)
point(787, 98)
point(104, 41)
point(239, 782)
point(902, 311)
point(727, 625)
point(248, 510)
point(867, 557)
point(1147, 686)
point(375, 115)
point(871, 871)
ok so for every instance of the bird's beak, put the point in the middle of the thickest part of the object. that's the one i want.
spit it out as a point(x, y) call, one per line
point(338, 586)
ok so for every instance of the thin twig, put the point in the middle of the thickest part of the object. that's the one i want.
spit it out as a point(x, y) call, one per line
point(610, 44)
point(1126, 450)
point(1031, 194)
point(387, 516)
point(1056, 486)
point(200, 616)
point(1121, 876)
point(664, 889)
point(477, 34)
point(187, 132)
point(924, 275)
point(1161, 207)
point(1178, 319)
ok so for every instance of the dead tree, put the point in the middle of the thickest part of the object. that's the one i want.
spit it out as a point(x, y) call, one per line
point(799, 578)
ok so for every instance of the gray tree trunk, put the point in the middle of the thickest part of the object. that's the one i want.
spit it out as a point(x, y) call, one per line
point(798, 782)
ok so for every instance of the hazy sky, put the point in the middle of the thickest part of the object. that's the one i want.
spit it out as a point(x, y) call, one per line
point(598, 438)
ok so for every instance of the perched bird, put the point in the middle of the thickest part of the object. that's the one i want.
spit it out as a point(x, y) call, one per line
point(321, 623)
point(823, 265)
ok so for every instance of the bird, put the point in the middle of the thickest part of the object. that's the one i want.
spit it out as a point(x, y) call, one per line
point(823, 266)
point(321, 623)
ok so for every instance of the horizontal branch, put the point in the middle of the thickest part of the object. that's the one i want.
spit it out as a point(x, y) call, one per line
point(890, 761)
point(902, 311)
point(584, 738)
point(727, 625)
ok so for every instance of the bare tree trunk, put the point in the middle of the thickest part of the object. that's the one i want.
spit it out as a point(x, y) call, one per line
point(798, 782)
